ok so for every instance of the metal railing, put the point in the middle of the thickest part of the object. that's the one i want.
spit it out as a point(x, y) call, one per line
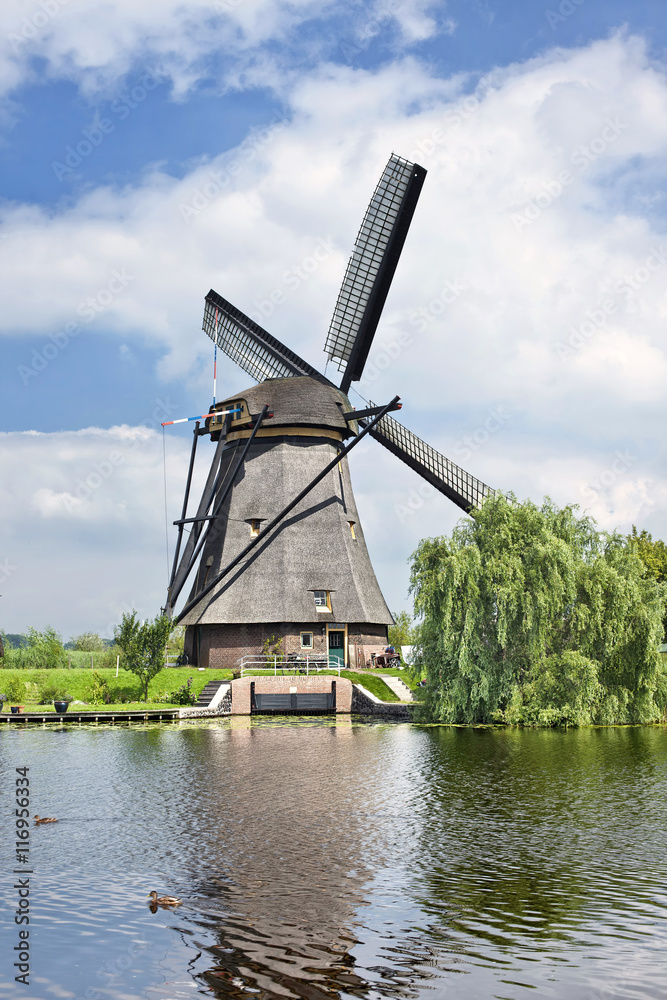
point(287, 664)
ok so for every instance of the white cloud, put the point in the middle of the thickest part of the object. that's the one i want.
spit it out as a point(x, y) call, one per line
point(516, 287)
point(237, 43)
point(84, 527)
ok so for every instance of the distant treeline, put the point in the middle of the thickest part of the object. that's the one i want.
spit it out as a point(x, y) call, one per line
point(44, 650)
point(88, 642)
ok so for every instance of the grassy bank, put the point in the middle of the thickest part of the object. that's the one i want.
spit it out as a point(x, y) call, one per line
point(101, 690)
point(38, 688)
point(372, 683)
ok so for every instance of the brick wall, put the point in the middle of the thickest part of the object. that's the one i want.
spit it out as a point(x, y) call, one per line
point(223, 646)
point(314, 684)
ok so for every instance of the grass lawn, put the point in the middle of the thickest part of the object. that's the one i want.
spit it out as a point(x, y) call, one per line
point(372, 683)
point(28, 687)
point(25, 687)
point(407, 676)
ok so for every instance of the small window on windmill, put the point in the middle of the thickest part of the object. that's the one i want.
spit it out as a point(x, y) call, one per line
point(322, 600)
point(351, 524)
point(306, 640)
point(209, 563)
point(242, 413)
point(255, 524)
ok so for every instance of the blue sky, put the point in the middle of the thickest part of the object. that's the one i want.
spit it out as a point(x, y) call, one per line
point(543, 129)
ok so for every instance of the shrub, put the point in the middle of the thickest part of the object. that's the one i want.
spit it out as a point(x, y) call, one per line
point(99, 692)
point(49, 693)
point(273, 647)
point(183, 695)
point(15, 689)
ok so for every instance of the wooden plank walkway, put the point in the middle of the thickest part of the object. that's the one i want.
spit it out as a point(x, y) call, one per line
point(154, 715)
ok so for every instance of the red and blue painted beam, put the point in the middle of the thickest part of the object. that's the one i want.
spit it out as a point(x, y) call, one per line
point(202, 416)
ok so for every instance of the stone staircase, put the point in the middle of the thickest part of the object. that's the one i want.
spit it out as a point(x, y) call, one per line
point(209, 692)
point(399, 687)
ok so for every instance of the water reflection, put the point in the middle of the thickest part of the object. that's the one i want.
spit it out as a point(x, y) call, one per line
point(325, 859)
point(290, 826)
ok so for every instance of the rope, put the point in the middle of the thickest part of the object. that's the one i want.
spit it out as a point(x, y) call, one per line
point(356, 391)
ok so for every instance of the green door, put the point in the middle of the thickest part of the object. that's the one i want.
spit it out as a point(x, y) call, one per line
point(337, 649)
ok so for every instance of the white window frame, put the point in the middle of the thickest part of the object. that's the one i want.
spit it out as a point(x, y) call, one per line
point(326, 607)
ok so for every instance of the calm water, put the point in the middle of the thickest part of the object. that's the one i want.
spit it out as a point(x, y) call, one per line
point(328, 859)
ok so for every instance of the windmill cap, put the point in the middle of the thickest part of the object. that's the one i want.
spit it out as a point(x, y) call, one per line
point(298, 401)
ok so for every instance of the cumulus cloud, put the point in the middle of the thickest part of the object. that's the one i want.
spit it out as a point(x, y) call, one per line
point(84, 524)
point(533, 277)
point(525, 232)
point(230, 43)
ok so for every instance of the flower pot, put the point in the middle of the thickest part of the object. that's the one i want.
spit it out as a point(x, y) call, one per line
point(17, 709)
point(60, 706)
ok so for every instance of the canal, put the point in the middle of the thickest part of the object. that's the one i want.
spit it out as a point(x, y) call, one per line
point(331, 858)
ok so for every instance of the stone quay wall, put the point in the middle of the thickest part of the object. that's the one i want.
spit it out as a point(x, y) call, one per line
point(364, 703)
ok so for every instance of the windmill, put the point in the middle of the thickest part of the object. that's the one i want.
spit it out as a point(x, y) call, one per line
point(276, 544)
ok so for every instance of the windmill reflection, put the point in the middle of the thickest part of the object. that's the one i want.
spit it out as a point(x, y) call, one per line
point(286, 853)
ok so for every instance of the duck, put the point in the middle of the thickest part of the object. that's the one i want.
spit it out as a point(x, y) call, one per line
point(156, 900)
point(45, 819)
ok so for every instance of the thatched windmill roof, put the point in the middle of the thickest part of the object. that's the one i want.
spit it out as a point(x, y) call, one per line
point(320, 545)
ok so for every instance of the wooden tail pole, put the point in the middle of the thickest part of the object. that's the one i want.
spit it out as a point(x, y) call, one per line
point(216, 510)
point(183, 513)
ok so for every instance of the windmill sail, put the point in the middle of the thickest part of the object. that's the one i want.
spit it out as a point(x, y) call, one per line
point(465, 490)
point(251, 347)
point(371, 267)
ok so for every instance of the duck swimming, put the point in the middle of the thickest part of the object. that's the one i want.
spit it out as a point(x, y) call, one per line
point(45, 819)
point(156, 900)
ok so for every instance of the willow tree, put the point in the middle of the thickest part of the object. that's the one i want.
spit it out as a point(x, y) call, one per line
point(533, 615)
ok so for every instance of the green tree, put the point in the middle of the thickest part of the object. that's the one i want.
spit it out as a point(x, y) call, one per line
point(532, 615)
point(89, 642)
point(176, 640)
point(143, 645)
point(45, 648)
point(654, 556)
point(402, 632)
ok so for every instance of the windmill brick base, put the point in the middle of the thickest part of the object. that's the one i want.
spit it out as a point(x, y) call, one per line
point(224, 646)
